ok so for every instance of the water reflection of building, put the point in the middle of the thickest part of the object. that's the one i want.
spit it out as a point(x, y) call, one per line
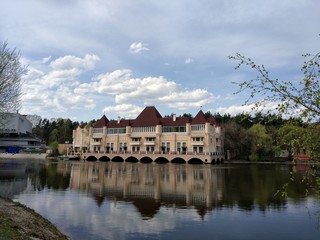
point(150, 184)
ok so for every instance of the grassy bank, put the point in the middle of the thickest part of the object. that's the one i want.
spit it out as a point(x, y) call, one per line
point(20, 222)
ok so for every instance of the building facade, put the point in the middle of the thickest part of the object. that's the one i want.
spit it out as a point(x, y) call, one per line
point(15, 133)
point(150, 133)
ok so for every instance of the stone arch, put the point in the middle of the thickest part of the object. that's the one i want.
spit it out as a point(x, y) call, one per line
point(104, 159)
point(91, 158)
point(146, 160)
point(178, 160)
point(195, 161)
point(161, 160)
point(117, 159)
point(132, 159)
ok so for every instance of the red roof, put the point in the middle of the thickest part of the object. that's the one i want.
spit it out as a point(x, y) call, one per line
point(121, 124)
point(148, 117)
point(151, 117)
point(200, 118)
point(168, 121)
point(102, 122)
point(213, 121)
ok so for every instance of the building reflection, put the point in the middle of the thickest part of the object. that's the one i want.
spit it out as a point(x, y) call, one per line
point(148, 186)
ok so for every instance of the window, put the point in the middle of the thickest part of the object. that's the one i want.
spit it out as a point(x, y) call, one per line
point(197, 128)
point(197, 139)
point(173, 129)
point(143, 129)
point(109, 147)
point(150, 139)
point(181, 147)
point(150, 149)
point(123, 147)
point(165, 147)
point(116, 131)
point(97, 130)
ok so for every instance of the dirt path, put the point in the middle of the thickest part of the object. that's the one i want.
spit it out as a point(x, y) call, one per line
point(27, 222)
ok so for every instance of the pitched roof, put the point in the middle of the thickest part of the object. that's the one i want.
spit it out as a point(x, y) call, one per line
point(200, 118)
point(213, 121)
point(168, 121)
point(102, 122)
point(119, 124)
point(148, 117)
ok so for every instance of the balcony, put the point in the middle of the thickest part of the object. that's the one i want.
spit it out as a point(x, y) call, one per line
point(135, 143)
point(197, 143)
point(149, 143)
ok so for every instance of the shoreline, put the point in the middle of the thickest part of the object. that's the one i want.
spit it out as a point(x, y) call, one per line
point(23, 155)
point(20, 222)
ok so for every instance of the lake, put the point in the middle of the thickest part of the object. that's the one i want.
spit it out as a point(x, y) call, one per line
point(111, 200)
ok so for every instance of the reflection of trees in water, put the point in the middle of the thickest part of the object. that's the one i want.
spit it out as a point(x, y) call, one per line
point(152, 186)
point(203, 187)
point(49, 176)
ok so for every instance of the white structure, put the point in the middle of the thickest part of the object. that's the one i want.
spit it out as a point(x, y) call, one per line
point(14, 123)
point(15, 133)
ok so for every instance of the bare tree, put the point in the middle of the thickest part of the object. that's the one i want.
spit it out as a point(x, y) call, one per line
point(11, 71)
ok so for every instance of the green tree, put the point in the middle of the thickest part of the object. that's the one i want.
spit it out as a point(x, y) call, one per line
point(291, 138)
point(237, 140)
point(261, 142)
point(302, 98)
point(11, 72)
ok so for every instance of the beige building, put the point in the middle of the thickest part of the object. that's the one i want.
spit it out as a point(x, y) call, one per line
point(150, 133)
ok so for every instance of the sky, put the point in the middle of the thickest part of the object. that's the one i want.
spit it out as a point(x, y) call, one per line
point(87, 58)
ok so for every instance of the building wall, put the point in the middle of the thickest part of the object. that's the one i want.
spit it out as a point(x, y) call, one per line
point(15, 123)
point(211, 140)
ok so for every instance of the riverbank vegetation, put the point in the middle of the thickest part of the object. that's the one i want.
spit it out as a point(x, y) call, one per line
point(20, 222)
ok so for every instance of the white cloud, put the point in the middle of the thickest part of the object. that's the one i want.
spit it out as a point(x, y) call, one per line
point(46, 59)
point(124, 110)
point(53, 89)
point(59, 89)
point(189, 60)
point(72, 62)
point(249, 108)
point(188, 99)
point(138, 47)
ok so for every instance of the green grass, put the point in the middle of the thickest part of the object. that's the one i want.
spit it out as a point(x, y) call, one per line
point(9, 230)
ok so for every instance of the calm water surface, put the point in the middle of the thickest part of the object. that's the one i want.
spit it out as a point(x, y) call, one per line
point(164, 201)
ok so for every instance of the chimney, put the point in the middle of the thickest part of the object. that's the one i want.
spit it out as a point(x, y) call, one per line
point(118, 120)
point(174, 117)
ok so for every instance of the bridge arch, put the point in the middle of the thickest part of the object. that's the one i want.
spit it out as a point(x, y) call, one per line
point(195, 161)
point(161, 160)
point(91, 158)
point(104, 159)
point(178, 160)
point(132, 159)
point(117, 159)
point(146, 160)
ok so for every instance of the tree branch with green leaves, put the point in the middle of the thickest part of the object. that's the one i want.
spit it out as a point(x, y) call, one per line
point(301, 98)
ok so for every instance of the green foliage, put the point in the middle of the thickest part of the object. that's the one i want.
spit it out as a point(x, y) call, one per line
point(302, 98)
point(261, 142)
point(54, 146)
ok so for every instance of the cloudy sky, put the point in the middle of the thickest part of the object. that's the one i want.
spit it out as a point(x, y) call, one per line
point(89, 57)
